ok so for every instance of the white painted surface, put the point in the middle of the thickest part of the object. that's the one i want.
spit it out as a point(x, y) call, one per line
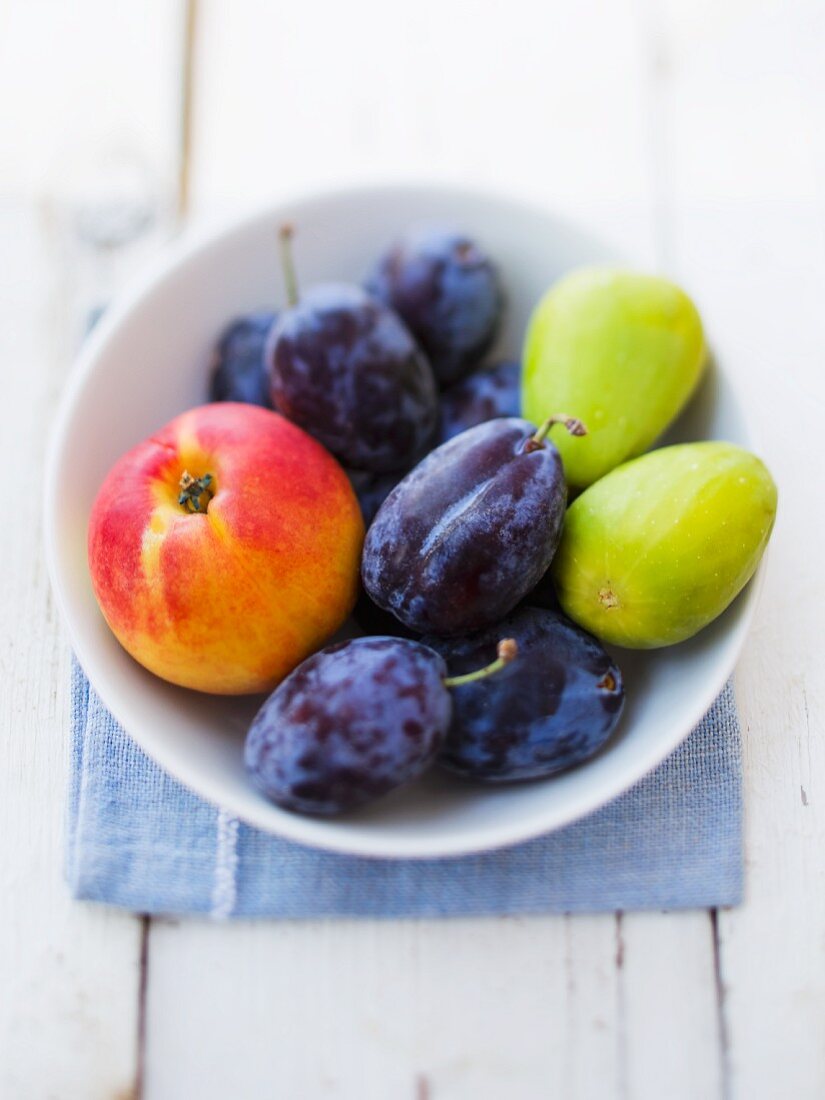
point(68, 974)
point(749, 221)
point(692, 130)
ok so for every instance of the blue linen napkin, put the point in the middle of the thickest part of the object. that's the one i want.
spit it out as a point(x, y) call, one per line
point(138, 839)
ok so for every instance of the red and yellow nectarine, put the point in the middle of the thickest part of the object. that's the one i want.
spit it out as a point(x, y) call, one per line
point(225, 549)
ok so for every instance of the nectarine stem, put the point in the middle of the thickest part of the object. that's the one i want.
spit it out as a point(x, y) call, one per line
point(285, 236)
point(574, 426)
point(507, 652)
point(193, 490)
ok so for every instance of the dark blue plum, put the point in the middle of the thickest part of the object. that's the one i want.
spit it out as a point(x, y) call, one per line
point(351, 723)
point(239, 369)
point(470, 530)
point(345, 368)
point(553, 707)
point(447, 291)
point(483, 395)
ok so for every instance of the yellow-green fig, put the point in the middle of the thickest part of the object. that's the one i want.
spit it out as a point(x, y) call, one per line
point(622, 352)
point(658, 549)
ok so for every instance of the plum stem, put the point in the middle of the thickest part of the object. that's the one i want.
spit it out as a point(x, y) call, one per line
point(573, 425)
point(285, 235)
point(193, 490)
point(507, 652)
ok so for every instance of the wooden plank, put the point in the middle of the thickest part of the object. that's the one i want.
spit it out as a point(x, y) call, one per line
point(592, 1048)
point(571, 1006)
point(87, 79)
point(669, 1007)
point(746, 156)
point(94, 88)
point(69, 973)
point(459, 1008)
point(544, 104)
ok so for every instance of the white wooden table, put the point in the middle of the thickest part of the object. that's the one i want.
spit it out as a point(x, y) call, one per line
point(693, 133)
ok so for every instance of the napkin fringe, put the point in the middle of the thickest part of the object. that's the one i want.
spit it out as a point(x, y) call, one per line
point(224, 891)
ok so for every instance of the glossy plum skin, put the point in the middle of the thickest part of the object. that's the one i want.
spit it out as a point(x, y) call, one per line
point(345, 369)
point(553, 707)
point(469, 531)
point(483, 395)
point(239, 371)
point(447, 291)
point(350, 724)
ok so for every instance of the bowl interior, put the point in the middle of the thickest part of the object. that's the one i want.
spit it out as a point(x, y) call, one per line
point(148, 361)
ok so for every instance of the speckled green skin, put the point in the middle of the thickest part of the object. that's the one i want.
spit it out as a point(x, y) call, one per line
point(658, 548)
point(622, 352)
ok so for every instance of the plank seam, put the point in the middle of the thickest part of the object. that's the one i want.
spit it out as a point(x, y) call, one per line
point(621, 1008)
point(721, 1006)
point(143, 986)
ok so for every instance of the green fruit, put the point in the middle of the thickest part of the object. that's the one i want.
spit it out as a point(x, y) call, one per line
point(622, 352)
point(658, 548)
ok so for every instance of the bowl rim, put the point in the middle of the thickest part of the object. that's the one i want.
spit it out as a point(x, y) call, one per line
point(308, 831)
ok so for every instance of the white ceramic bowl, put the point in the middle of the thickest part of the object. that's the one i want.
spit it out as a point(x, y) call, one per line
point(147, 361)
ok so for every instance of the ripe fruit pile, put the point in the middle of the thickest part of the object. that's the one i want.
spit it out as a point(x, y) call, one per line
point(226, 550)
